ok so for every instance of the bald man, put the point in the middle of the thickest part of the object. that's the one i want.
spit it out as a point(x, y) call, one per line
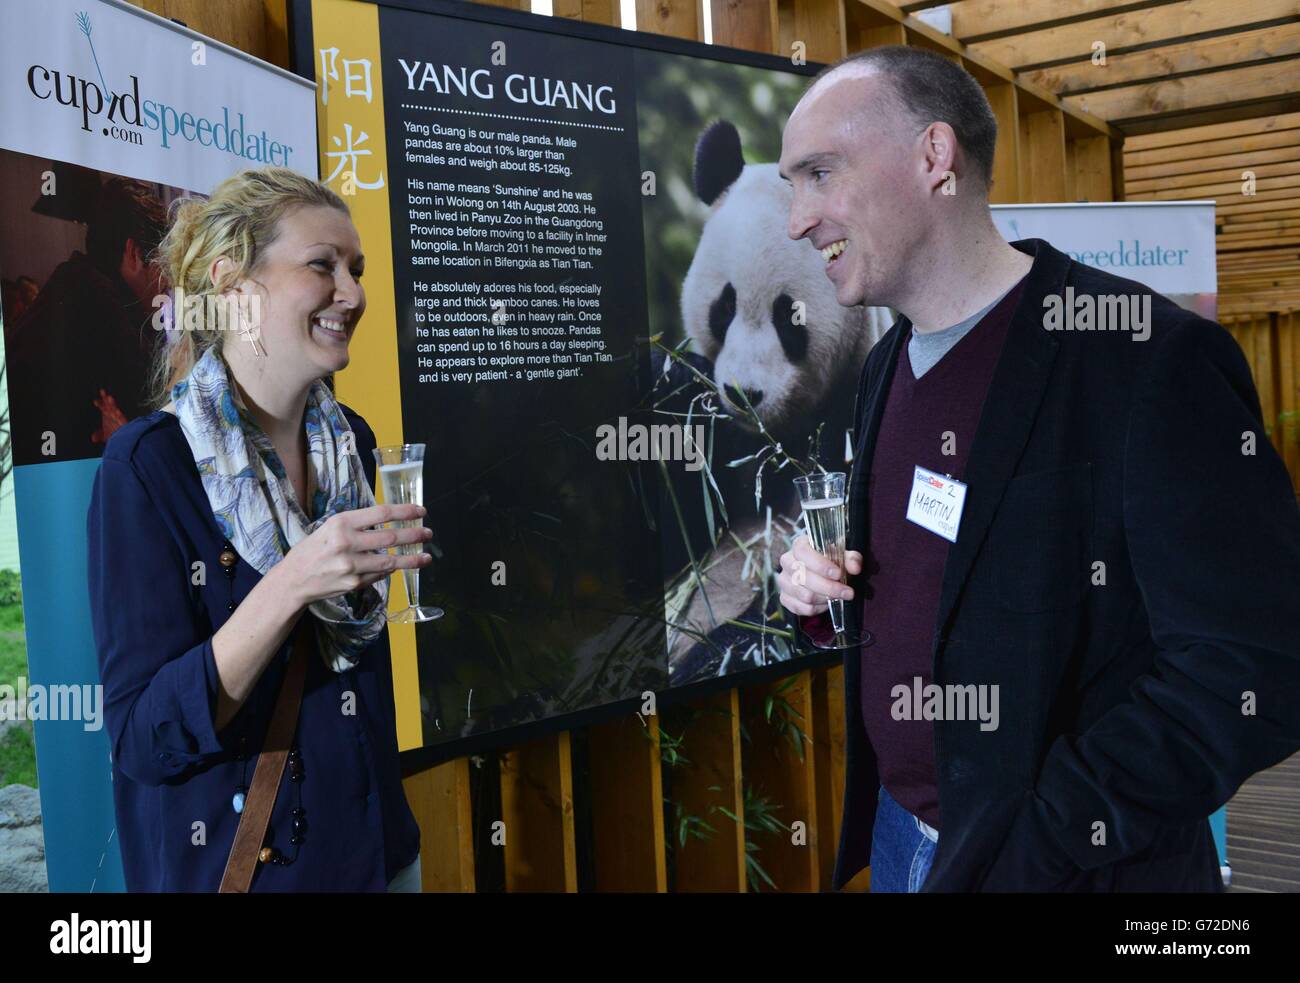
point(1076, 550)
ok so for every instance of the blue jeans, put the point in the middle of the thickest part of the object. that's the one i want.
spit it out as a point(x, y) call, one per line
point(902, 848)
point(406, 880)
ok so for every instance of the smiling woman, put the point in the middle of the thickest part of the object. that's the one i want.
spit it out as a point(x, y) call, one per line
point(241, 242)
point(238, 574)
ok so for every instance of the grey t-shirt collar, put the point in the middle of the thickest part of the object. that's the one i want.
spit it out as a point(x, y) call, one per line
point(925, 348)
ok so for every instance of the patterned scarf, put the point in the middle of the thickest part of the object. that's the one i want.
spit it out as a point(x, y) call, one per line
point(254, 502)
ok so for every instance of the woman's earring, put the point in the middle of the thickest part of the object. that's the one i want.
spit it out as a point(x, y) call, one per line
point(247, 330)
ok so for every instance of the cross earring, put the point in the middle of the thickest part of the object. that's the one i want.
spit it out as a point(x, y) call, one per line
point(247, 331)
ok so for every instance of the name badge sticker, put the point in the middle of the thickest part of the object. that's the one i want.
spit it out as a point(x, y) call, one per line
point(936, 503)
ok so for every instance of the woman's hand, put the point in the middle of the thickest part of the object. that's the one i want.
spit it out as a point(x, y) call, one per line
point(336, 559)
point(339, 556)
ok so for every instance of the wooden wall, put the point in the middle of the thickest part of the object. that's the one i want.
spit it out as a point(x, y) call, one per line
point(1269, 339)
point(762, 767)
point(1251, 170)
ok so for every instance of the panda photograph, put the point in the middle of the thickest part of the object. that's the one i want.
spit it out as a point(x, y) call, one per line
point(762, 357)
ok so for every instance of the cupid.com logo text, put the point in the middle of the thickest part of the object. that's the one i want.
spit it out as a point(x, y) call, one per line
point(124, 116)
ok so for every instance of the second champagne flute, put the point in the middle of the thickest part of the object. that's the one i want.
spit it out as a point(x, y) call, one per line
point(823, 499)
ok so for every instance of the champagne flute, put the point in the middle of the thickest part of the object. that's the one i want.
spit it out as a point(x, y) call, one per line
point(401, 475)
point(822, 497)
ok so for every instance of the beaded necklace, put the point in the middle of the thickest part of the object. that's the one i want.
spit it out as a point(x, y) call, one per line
point(268, 854)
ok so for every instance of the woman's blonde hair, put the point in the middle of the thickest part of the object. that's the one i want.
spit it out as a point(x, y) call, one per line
point(239, 221)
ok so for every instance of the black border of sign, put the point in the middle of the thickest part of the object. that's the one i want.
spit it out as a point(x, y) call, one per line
point(303, 63)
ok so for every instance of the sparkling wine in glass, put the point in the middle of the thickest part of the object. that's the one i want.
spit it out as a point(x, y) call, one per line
point(825, 513)
point(401, 475)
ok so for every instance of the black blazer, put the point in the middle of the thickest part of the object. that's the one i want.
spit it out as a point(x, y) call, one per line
point(1125, 691)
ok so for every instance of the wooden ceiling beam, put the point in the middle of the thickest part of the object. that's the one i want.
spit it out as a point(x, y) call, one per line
point(1274, 297)
point(1261, 286)
point(1218, 191)
point(1221, 131)
point(1202, 165)
point(1262, 281)
point(1271, 280)
point(1223, 154)
point(1264, 199)
point(1257, 109)
point(1262, 259)
point(1228, 222)
point(1191, 91)
point(1255, 228)
point(976, 19)
point(1261, 276)
point(1291, 236)
point(1254, 264)
point(1261, 262)
point(1252, 211)
point(1215, 161)
point(1119, 33)
point(1284, 280)
point(1257, 304)
point(1265, 259)
point(1264, 173)
point(1229, 51)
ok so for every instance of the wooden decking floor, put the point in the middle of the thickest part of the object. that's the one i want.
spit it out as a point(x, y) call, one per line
point(1264, 831)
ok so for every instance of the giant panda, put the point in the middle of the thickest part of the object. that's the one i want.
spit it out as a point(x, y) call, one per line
point(738, 305)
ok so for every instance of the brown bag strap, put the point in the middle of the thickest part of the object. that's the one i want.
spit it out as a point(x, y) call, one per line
point(260, 800)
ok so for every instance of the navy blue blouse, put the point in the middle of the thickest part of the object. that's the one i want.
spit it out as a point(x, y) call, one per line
point(154, 611)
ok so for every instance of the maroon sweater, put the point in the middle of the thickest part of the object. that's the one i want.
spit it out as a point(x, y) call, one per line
point(904, 562)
